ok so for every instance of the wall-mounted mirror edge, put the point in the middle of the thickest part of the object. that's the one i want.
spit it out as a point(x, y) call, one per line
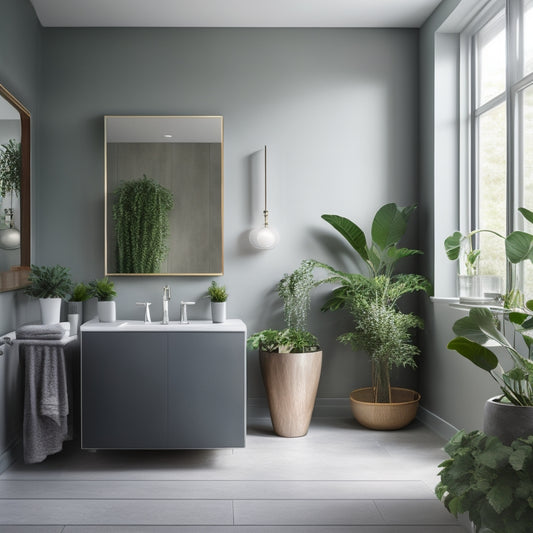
point(15, 236)
point(177, 161)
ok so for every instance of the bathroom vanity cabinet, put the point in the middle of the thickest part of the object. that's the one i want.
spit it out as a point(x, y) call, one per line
point(159, 386)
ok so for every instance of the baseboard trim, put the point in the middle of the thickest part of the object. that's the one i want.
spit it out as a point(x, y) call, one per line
point(437, 424)
point(10, 455)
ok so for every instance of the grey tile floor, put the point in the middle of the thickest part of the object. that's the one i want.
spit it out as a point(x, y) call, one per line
point(339, 478)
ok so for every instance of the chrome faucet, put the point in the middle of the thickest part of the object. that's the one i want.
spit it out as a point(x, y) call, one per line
point(166, 298)
point(147, 318)
point(183, 311)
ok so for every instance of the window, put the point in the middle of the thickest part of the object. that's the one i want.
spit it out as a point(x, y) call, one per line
point(501, 128)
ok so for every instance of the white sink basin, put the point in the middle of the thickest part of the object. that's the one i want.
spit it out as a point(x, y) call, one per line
point(139, 325)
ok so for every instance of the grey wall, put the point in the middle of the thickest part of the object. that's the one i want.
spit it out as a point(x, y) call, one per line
point(20, 44)
point(451, 387)
point(337, 108)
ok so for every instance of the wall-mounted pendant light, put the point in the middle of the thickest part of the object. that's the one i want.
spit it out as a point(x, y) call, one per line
point(265, 237)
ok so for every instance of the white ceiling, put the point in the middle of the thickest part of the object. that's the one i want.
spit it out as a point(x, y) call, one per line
point(234, 13)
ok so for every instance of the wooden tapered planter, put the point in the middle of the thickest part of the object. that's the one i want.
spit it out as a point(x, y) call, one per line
point(291, 383)
point(395, 415)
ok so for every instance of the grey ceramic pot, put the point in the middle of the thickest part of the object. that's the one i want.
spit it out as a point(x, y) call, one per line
point(506, 421)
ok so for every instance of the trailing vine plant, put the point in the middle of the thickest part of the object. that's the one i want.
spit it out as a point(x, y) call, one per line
point(10, 167)
point(140, 213)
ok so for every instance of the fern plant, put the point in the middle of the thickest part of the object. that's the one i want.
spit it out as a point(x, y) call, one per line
point(80, 293)
point(294, 291)
point(102, 289)
point(10, 167)
point(216, 292)
point(380, 327)
point(49, 282)
point(140, 213)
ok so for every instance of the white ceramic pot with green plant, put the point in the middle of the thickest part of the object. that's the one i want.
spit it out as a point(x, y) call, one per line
point(218, 295)
point(379, 328)
point(51, 284)
point(103, 290)
point(290, 358)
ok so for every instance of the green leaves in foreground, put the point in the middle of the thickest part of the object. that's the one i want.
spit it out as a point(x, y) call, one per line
point(491, 482)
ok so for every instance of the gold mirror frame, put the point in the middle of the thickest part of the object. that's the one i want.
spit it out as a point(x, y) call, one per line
point(18, 277)
point(190, 165)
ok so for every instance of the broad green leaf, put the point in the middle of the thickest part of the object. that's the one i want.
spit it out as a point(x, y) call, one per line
point(500, 497)
point(467, 327)
point(529, 305)
point(351, 232)
point(519, 456)
point(518, 318)
point(519, 246)
point(390, 224)
point(527, 214)
point(484, 319)
point(452, 245)
point(479, 355)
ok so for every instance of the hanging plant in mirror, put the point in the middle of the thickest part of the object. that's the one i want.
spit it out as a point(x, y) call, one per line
point(140, 213)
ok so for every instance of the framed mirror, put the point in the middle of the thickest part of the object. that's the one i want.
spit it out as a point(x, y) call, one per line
point(164, 195)
point(15, 243)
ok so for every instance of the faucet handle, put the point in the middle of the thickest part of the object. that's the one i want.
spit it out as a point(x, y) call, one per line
point(183, 313)
point(166, 293)
point(146, 305)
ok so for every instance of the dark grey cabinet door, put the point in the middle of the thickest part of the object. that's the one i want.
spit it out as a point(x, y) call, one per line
point(206, 390)
point(124, 390)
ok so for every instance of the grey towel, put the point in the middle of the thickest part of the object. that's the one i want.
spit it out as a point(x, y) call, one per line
point(40, 331)
point(46, 401)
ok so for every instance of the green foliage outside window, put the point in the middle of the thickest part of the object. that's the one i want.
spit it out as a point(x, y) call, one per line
point(140, 213)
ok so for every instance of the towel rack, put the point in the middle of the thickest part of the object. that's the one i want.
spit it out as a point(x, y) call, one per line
point(5, 340)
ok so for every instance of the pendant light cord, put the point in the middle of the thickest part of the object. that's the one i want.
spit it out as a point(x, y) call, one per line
point(265, 212)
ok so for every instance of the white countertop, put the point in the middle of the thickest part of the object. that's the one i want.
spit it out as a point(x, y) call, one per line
point(231, 324)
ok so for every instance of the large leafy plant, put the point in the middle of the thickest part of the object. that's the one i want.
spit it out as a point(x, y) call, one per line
point(380, 327)
point(480, 326)
point(49, 282)
point(294, 291)
point(491, 482)
point(140, 213)
point(10, 167)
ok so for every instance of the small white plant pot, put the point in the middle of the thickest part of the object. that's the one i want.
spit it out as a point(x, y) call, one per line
point(50, 310)
point(218, 311)
point(107, 311)
point(76, 308)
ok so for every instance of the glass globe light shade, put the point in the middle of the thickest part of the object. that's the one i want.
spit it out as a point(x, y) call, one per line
point(9, 239)
point(264, 238)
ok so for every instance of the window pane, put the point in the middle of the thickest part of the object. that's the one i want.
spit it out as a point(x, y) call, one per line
point(490, 60)
point(492, 189)
point(526, 166)
point(528, 36)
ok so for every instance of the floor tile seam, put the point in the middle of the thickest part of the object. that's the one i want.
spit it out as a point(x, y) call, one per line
point(207, 480)
point(219, 499)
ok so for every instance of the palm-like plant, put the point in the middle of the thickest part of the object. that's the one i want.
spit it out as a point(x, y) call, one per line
point(379, 326)
point(49, 282)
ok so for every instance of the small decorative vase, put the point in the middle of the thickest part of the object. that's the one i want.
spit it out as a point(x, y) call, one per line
point(218, 312)
point(50, 310)
point(107, 311)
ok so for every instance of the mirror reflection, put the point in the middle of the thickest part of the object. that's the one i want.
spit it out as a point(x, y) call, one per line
point(164, 195)
point(14, 192)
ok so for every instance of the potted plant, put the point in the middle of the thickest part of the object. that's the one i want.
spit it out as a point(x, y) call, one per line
point(103, 290)
point(140, 213)
point(509, 415)
point(80, 293)
point(380, 327)
point(50, 284)
point(290, 358)
point(490, 481)
point(218, 296)
point(476, 288)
